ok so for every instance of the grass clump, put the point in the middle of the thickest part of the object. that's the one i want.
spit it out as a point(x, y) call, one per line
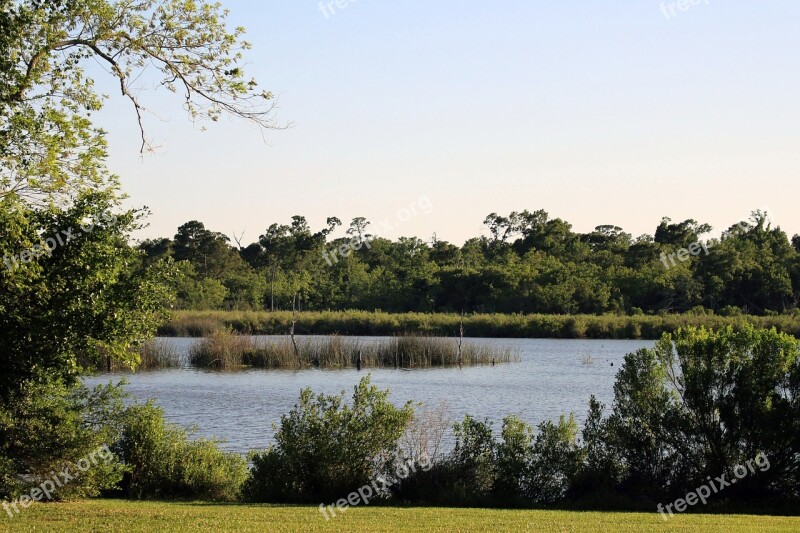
point(226, 350)
point(159, 353)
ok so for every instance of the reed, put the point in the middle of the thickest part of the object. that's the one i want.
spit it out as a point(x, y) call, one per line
point(365, 323)
point(158, 353)
point(221, 350)
point(226, 350)
point(153, 355)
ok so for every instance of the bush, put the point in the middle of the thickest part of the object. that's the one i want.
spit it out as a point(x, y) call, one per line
point(47, 426)
point(556, 460)
point(325, 449)
point(730, 310)
point(702, 402)
point(163, 462)
point(514, 457)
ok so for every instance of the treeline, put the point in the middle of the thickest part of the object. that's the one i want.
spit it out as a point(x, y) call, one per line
point(524, 263)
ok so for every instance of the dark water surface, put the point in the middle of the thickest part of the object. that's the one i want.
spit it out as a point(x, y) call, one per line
point(552, 378)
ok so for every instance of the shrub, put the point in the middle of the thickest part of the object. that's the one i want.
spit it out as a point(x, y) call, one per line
point(703, 401)
point(46, 426)
point(599, 473)
point(730, 310)
point(514, 457)
point(325, 449)
point(163, 462)
point(556, 459)
point(474, 458)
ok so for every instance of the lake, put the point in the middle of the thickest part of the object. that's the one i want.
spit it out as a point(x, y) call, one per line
point(552, 378)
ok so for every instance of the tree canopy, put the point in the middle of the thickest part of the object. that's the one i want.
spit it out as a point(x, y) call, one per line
point(526, 262)
point(49, 146)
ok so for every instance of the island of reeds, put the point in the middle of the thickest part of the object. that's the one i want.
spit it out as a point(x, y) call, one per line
point(225, 350)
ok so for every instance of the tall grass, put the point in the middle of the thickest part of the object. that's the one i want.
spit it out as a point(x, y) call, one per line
point(224, 350)
point(159, 353)
point(153, 354)
point(201, 323)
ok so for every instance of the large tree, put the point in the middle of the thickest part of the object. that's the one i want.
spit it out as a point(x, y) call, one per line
point(92, 294)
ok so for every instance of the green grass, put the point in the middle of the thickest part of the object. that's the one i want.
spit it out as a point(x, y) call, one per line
point(202, 323)
point(119, 515)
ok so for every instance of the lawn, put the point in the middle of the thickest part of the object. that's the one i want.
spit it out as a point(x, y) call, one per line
point(125, 516)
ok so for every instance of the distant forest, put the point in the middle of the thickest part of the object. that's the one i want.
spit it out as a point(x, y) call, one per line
point(526, 262)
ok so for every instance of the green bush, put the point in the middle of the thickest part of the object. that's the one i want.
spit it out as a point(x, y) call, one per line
point(701, 402)
point(48, 426)
point(556, 460)
point(202, 323)
point(325, 449)
point(163, 462)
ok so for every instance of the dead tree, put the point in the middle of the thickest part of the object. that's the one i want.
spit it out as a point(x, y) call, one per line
point(291, 331)
point(460, 337)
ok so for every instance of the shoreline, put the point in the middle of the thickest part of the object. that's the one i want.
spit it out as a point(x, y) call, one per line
point(496, 325)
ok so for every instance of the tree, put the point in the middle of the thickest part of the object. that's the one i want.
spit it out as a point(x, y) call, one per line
point(680, 235)
point(50, 148)
point(358, 227)
point(72, 289)
point(702, 402)
point(85, 296)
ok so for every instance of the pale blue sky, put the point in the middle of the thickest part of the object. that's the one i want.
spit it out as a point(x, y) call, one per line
point(598, 112)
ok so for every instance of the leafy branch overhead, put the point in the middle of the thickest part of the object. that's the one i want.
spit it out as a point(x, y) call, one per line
point(46, 97)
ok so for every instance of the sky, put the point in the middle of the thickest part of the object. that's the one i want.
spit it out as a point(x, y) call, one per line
point(424, 117)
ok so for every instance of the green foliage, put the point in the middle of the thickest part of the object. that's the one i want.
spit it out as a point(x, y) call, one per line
point(50, 148)
point(474, 457)
point(164, 462)
point(599, 475)
point(202, 323)
point(88, 298)
point(325, 448)
point(514, 457)
point(556, 459)
point(703, 401)
point(47, 426)
point(527, 264)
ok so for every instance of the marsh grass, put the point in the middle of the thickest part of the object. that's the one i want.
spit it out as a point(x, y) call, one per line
point(159, 353)
point(365, 323)
point(226, 350)
point(154, 354)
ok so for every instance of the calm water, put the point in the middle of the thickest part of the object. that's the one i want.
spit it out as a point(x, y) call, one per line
point(240, 407)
